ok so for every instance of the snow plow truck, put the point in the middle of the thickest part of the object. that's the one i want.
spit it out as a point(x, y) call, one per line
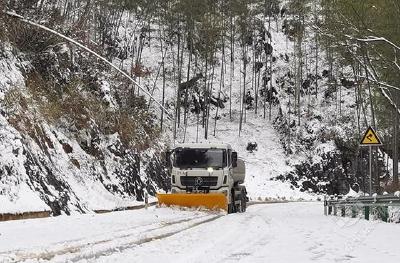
point(206, 175)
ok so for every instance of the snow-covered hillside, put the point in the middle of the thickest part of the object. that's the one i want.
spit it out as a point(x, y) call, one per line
point(263, 164)
point(70, 157)
point(48, 166)
point(45, 166)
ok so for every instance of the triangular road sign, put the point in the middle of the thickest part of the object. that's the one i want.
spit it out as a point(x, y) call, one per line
point(370, 138)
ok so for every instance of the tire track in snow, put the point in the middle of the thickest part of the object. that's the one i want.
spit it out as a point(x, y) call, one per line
point(245, 249)
point(75, 247)
point(143, 240)
point(77, 250)
point(75, 244)
point(166, 235)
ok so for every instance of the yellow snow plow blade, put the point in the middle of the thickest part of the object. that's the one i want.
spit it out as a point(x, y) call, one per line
point(211, 201)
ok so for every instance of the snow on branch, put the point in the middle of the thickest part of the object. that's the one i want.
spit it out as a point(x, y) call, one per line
point(382, 86)
point(21, 18)
point(374, 39)
point(395, 59)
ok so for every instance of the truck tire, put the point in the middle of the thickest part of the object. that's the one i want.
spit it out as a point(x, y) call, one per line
point(241, 199)
point(242, 205)
point(231, 209)
point(231, 206)
point(243, 202)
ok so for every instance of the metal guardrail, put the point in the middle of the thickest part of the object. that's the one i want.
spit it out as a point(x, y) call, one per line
point(366, 203)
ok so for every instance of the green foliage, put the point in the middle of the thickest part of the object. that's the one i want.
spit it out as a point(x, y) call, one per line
point(347, 23)
point(362, 19)
point(295, 24)
point(205, 23)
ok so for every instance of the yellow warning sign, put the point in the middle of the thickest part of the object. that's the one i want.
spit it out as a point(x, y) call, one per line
point(370, 138)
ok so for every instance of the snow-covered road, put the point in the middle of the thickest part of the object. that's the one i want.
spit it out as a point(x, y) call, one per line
point(288, 232)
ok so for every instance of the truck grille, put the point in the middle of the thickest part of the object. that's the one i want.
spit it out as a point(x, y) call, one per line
point(199, 181)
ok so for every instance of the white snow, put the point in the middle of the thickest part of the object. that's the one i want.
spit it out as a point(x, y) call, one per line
point(267, 162)
point(15, 195)
point(10, 75)
point(288, 232)
point(26, 200)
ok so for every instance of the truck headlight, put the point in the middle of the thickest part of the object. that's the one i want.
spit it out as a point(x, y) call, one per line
point(210, 169)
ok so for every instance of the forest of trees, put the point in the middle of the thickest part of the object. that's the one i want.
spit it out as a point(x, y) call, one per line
point(354, 44)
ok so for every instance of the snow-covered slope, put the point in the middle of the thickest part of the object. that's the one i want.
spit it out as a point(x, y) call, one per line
point(263, 164)
point(61, 168)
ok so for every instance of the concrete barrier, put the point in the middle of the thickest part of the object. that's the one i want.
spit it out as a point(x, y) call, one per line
point(43, 214)
point(24, 215)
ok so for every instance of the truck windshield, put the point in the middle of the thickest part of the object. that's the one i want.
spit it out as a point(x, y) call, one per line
point(200, 158)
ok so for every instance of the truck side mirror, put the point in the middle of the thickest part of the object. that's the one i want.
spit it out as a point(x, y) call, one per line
point(234, 159)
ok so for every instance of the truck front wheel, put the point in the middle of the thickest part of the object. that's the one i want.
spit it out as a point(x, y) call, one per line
point(232, 206)
point(243, 202)
point(240, 200)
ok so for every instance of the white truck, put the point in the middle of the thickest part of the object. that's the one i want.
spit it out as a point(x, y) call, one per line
point(206, 174)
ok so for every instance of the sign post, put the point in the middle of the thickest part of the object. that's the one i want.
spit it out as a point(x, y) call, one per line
point(370, 139)
point(370, 170)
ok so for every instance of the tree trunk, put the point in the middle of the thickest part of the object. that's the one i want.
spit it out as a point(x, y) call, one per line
point(187, 80)
point(357, 102)
point(208, 105)
point(270, 63)
point(221, 83)
point(205, 94)
point(369, 89)
point(232, 67)
point(257, 88)
point(395, 150)
point(178, 97)
point(163, 91)
point(298, 81)
point(244, 57)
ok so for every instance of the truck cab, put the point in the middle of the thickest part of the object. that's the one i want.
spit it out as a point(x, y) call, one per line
point(206, 168)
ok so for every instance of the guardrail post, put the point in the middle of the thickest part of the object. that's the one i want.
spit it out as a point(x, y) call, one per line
point(353, 211)
point(366, 212)
point(384, 213)
point(365, 205)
